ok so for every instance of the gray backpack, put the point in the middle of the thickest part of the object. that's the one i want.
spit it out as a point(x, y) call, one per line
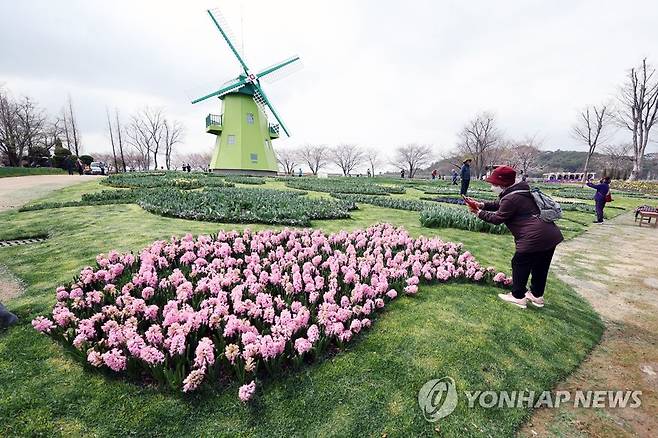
point(549, 210)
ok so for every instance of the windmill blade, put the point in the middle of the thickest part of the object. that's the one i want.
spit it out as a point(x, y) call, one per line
point(261, 99)
point(233, 85)
point(280, 70)
point(228, 35)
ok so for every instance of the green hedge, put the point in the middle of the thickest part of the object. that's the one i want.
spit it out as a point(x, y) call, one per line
point(342, 185)
point(6, 172)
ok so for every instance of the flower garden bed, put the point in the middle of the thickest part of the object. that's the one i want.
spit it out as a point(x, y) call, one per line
point(243, 306)
point(237, 179)
point(343, 185)
point(180, 180)
point(431, 216)
point(240, 205)
point(440, 217)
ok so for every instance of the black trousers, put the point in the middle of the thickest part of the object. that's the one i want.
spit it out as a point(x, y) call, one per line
point(535, 263)
point(464, 190)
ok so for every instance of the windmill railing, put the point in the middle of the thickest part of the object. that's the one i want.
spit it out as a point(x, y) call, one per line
point(274, 129)
point(213, 119)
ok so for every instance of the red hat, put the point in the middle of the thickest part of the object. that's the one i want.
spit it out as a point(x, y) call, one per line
point(503, 176)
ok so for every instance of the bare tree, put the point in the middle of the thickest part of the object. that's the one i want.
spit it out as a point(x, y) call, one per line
point(120, 139)
point(639, 112)
point(374, 159)
point(172, 135)
point(412, 157)
point(478, 139)
point(316, 156)
point(139, 137)
point(347, 157)
point(592, 122)
point(22, 126)
point(287, 159)
point(109, 129)
point(73, 128)
point(526, 154)
point(196, 160)
point(153, 121)
point(618, 160)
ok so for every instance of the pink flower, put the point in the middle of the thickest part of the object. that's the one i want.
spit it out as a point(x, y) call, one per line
point(313, 333)
point(148, 292)
point(205, 353)
point(95, 358)
point(392, 294)
point(43, 325)
point(499, 277)
point(246, 392)
point(194, 379)
point(302, 345)
point(115, 360)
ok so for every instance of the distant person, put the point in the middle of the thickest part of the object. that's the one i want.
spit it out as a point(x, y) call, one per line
point(434, 172)
point(80, 167)
point(68, 163)
point(368, 173)
point(402, 173)
point(465, 175)
point(523, 176)
point(535, 239)
point(300, 172)
point(602, 193)
point(189, 168)
point(455, 177)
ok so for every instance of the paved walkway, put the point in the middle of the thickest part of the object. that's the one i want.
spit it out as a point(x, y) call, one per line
point(615, 267)
point(16, 191)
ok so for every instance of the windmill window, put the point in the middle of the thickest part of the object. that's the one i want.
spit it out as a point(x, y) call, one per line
point(254, 158)
point(231, 139)
point(250, 118)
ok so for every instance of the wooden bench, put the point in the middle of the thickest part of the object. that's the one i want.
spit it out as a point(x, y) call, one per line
point(645, 217)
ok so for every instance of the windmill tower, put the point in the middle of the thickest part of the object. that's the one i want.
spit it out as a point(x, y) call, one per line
point(243, 129)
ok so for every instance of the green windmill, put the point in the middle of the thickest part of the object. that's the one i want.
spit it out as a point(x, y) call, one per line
point(244, 132)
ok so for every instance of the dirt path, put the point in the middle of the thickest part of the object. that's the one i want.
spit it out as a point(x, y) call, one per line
point(615, 267)
point(16, 191)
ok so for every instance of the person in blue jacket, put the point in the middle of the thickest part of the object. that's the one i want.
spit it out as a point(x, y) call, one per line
point(465, 175)
point(602, 190)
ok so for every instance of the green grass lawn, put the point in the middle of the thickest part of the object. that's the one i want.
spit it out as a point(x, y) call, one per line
point(25, 171)
point(370, 389)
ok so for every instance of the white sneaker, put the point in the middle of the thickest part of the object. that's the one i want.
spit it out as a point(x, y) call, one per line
point(535, 301)
point(510, 299)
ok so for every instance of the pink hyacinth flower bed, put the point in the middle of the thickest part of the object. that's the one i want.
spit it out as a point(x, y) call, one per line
point(241, 306)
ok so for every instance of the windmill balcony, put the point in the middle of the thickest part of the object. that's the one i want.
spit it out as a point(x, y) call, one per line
point(214, 124)
point(274, 130)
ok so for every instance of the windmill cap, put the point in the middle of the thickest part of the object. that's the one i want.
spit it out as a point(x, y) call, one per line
point(503, 176)
point(467, 159)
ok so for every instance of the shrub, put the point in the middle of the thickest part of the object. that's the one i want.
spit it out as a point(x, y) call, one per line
point(243, 306)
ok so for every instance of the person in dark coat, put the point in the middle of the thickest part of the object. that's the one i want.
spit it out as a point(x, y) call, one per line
point(79, 166)
point(465, 175)
point(68, 163)
point(535, 239)
point(455, 177)
point(602, 190)
point(402, 173)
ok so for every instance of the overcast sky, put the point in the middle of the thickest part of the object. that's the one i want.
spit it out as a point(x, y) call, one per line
point(377, 73)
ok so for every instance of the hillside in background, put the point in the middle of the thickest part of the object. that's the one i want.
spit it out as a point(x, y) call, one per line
point(571, 161)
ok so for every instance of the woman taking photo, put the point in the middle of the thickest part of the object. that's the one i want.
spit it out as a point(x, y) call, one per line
point(535, 239)
point(600, 197)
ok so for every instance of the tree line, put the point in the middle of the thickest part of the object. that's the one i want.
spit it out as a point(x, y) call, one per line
point(29, 136)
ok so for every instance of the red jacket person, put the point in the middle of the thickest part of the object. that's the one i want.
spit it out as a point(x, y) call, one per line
point(535, 239)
